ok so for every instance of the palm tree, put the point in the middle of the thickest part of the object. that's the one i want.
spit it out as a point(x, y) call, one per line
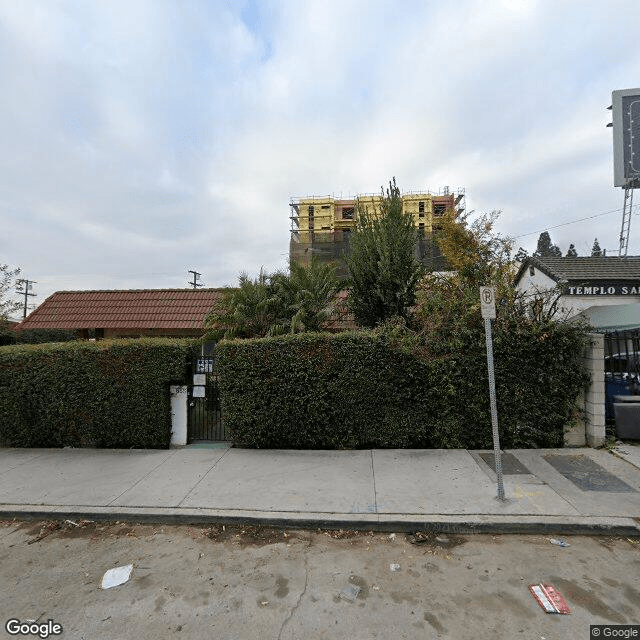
point(274, 304)
point(308, 294)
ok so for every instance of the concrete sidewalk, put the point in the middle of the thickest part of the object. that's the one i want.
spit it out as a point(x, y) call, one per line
point(562, 491)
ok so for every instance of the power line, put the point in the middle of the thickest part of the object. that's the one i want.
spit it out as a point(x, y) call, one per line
point(564, 224)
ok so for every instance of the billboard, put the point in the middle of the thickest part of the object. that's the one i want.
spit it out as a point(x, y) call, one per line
point(626, 138)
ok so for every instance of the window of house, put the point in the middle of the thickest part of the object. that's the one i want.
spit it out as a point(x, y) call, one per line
point(326, 206)
point(348, 213)
point(311, 210)
point(421, 206)
point(421, 215)
point(421, 225)
point(439, 209)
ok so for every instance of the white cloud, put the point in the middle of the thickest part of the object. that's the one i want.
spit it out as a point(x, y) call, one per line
point(139, 140)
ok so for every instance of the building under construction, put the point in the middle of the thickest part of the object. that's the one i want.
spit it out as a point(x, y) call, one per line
point(321, 226)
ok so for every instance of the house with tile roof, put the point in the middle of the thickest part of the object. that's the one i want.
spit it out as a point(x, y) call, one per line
point(126, 313)
point(582, 282)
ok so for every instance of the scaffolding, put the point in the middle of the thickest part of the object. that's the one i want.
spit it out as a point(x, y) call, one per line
point(321, 226)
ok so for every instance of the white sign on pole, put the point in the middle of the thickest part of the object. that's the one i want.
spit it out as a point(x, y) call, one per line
point(488, 302)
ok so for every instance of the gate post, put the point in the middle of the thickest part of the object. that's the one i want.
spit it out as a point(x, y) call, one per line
point(178, 415)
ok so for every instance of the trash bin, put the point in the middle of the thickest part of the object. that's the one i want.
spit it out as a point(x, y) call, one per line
point(627, 410)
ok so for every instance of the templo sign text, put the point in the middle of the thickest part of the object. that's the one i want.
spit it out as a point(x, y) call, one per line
point(604, 290)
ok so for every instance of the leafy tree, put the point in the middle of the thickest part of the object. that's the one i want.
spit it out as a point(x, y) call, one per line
point(448, 307)
point(572, 253)
point(382, 265)
point(448, 318)
point(269, 305)
point(7, 280)
point(596, 251)
point(546, 249)
point(478, 254)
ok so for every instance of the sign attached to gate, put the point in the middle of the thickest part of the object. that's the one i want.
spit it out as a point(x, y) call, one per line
point(200, 378)
point(488, 302)
point(204, 365)
point(198, 392)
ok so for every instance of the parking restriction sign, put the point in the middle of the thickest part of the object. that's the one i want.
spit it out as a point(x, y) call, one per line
point(488, 302)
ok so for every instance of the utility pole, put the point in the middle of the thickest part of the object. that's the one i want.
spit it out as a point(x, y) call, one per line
point(28, 285)
point(196, 276)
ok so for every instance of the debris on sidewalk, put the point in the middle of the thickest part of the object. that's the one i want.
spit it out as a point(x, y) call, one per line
point(394, 567)
point(45, 530)
point(559, 542)
point(419, 537)
point(436, 540)
point(116, 576)
point(549, 598)
point(350, 592)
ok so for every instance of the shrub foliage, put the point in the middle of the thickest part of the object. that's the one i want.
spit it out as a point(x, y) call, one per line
point(111, 393)
point(377, 389)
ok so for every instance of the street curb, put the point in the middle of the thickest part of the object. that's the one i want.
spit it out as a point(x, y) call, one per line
point(406, 523)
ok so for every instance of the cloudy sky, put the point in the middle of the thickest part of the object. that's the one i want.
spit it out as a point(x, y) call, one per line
point(143, 138)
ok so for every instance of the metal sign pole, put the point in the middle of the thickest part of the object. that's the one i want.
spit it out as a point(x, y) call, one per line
point(494, 409)
point(488, 309)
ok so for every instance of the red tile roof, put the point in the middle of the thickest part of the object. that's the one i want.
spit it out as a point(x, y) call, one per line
point(128, 309)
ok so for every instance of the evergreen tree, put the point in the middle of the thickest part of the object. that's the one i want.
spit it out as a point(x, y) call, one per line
point(382, 265)
point(596, 251)
point(572, 253)
point(546, 249)
point(521, 255)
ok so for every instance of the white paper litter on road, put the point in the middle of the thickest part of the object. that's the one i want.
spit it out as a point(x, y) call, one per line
point(116, 576)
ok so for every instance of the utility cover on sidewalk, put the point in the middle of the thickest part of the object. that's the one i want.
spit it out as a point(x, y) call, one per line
point(511, 466)
point(587, 474)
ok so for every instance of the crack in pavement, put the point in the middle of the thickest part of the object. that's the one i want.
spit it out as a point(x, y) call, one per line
point(304, 590)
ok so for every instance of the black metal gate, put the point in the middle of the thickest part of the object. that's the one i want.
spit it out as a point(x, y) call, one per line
point(205, 417)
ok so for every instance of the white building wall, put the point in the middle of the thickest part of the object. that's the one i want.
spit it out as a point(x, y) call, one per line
point(569, 304)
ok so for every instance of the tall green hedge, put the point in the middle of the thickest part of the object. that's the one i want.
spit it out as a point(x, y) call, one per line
point(362, 390)
point(111, 393)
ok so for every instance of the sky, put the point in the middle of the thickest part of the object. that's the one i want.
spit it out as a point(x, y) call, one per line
point(140, 139)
